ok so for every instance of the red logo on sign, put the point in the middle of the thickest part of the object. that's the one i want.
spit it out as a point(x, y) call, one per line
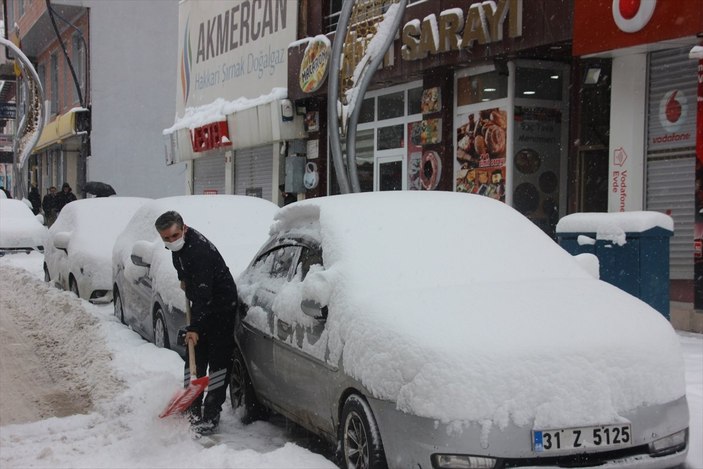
point(210, 136)
point(619, 157)
point(632, 15)
point(673, 110)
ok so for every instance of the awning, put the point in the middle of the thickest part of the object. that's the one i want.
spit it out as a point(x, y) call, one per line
point(58, 130)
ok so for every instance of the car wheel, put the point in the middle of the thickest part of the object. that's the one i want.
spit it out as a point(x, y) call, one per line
point(117, 301)
point(160, 332)
point(47, 277)
point(359, 437)
point(241, 392)
point(73, 286)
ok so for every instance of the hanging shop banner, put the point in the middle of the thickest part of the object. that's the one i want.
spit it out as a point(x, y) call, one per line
point(628, 23)
point(480, 153)
point(231, 49)
point(537, 164)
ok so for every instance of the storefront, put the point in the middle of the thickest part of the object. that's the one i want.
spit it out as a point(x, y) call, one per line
point(234, 121)
point(480, 107)
point(56, 157)
point(653, 113)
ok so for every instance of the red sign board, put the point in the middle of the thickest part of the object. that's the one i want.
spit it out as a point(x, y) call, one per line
point(603, 25)
point(210, 136)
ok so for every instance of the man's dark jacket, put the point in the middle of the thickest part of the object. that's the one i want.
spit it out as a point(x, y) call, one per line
point(209, 283)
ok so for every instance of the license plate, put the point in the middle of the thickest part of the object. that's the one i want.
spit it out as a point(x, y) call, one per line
point(602, 436)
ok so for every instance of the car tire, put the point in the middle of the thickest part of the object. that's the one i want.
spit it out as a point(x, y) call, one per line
point(73, 286)
point(117, 302)
point(160, 330)
point(359, 438)
point(241, 392)
point(47, 277)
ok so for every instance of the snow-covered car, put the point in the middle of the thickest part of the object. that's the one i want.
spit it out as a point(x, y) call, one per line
point(146, 290)
point(78, 252)
point(445, 330)
point(20, 229)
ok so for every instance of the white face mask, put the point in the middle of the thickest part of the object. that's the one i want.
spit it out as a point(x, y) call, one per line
point(176, 245)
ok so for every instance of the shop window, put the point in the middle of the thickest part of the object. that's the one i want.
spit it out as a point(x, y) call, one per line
point(391, 105)
point(368, 111)
point(479, 88)
point(54, 91)
point(390, 177)
point(543, 84)
point(414, 101)
point(390, 137)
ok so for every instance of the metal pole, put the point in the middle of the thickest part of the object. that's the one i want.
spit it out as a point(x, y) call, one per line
point(32, 122)
point(367, 75)
point(333, 97)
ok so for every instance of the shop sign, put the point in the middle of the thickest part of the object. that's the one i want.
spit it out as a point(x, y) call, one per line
point(210, 137)
point(313, 68)
point(232, 49)
point(619, 181)
point(675, 129)
point(627, 23)
point(484, 24)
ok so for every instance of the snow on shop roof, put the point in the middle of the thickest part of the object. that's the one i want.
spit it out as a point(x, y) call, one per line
point(472, 314)
point(219, 109)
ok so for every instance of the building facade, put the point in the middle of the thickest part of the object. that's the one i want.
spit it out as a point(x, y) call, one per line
point(106, 97)
point(234, 123)
point(652, 161)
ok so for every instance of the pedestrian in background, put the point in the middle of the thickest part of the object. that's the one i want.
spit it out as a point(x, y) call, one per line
point(288, 197)
point(210, 288)
point(34, 198)
point(65, 197)
point(50, 205)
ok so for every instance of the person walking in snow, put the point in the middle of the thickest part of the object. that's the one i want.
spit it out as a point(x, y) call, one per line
point(50, 205)
point(34, 198)
point(66, 196)
point(210, 288)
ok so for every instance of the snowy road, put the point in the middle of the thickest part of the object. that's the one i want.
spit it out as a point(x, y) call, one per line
point(78, 389)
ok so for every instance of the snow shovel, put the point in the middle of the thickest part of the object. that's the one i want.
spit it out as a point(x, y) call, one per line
point(185, 397)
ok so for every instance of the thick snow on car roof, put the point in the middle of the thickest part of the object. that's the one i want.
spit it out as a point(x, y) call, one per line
point(18, 225)
point(458, 308)
point(236, 225)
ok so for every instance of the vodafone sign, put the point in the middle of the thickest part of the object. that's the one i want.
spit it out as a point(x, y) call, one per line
point(632, 15)
point(627, 23)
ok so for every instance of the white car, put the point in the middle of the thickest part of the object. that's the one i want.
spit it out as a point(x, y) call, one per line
point(445, 330)
point(79, 249)
point(147, 294)
point(20, 229)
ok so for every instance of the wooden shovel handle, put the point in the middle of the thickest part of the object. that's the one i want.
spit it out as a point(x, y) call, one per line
point(191, 347)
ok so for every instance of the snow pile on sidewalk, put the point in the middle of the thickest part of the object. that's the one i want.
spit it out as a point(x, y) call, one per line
point(129, 382)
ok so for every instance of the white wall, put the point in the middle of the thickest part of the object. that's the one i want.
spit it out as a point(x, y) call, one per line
point(133, 53)
point(627, 132)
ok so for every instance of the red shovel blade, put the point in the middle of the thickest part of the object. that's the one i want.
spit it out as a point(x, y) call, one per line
point(185, 397)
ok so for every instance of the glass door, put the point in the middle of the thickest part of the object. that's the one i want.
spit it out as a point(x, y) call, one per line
point(389, 173)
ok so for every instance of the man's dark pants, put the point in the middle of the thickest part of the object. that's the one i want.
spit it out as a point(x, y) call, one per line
point(214, 349)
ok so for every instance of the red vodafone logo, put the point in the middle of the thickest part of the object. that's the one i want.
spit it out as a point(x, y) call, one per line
point(632, 15)
point(673, 110)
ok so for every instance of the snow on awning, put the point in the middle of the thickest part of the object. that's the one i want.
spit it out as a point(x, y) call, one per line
point(249, 123)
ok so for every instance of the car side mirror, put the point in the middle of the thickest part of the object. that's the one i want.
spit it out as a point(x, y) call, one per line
point(142, 252)
point(314, 309)
point(61, 240)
